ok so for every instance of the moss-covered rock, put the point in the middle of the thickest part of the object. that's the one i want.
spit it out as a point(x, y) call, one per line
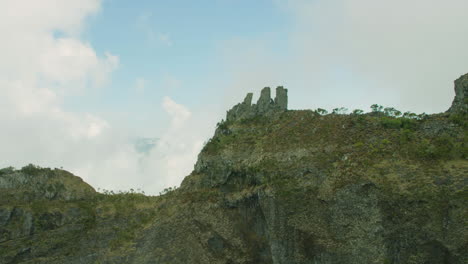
point(33, 183)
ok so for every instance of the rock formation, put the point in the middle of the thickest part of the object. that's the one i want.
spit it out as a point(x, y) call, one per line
point(281, 99)
point(460, 102)
point(32, 183)
point(265, 105)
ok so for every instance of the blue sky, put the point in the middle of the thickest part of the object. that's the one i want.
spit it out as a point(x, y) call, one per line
point(157, 40)
point(82, 81)
point(172, 48)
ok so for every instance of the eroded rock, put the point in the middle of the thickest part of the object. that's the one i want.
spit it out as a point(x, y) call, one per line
point(460, 102)
point(264, 106)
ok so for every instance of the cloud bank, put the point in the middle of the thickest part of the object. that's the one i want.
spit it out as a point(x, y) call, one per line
point(44, 61)
point(355, 53)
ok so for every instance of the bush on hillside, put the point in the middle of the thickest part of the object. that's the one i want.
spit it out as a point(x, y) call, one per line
point(32, 169)
point(7, 170)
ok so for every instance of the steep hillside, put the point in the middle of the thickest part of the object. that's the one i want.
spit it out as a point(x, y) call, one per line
point(272, 186)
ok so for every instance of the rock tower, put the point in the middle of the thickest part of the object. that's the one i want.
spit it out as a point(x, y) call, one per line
point(460, 102)
point(265, 105)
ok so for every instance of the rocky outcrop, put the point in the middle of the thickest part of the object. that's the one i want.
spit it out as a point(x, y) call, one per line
point(33, 183)
point(265, 105)
point(281, 99)
point(460, 102)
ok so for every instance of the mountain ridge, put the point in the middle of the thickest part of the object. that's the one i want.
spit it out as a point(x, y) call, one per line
point(271, 186)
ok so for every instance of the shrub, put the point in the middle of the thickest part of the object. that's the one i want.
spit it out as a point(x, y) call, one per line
point(223, 125)
point(358, 145)
point(376, 108)
point(388, 122)
point(390, 111)
point(395, 123)
point(406, 136)
point(7, 170)
point(385, 142)
point(440, 147)
point(422, 116)
point(212, 145)
point(321, 111)
point(409, 115)
point(358, 112)
point(32, 169)
point(254, 120)
point(168, 190)
point(340, 111)
point(408, 123)
point(459, 119)
point(443, 146)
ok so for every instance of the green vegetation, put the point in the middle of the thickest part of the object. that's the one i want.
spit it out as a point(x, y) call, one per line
point(32, 169)
point(216, 143)
point(319, 180)
point(7, 170)
point(357, 112)
point(442, 147)
point(376, 108)
point(321, 111)
point(460, 119)
point(168, 190)
point(222, 125)
point(390, 111)
point(397, 123)
point(340, 111)
point(284, 132)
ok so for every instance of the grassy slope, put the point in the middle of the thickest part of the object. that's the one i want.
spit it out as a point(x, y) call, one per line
point(303, 160)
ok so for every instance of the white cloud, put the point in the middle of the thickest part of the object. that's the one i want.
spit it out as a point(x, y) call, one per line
point(354, 53)
point(37, 71)
point(46, 15)
point(178, 113)
point(176, 150)
point(144, 25)
point(407, 53)
point(165, 165)
point(40, 68)
point(67, 60)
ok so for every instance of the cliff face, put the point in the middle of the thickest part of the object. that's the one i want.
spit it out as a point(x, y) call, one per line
point(460, 102)
point(272, 186)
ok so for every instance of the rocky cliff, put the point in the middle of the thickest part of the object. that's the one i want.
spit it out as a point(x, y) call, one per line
point(460, 102)
point(272, 186)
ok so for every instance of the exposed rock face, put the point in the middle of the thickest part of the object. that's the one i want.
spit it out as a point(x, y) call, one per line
point(281, 99)
point(265, 105)
point(248, 100)
point(264, 102)
point(460, 102)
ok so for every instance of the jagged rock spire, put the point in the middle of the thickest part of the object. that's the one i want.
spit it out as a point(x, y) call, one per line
point(460, 102)
point(264, 104)
point(281, 99)
point(248, 99)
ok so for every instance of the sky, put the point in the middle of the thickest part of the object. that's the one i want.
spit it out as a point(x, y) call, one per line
point(84, 83)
